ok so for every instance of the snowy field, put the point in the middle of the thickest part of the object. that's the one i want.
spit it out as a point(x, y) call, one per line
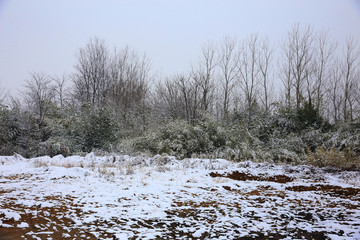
point(122, 197)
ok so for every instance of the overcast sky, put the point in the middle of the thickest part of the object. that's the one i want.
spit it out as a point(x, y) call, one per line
point(44, 36)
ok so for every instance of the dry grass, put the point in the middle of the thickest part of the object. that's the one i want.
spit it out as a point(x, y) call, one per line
point(41, 163)
point(344, 159)
point(108, 169)
point(66, 164)
point(130, 170)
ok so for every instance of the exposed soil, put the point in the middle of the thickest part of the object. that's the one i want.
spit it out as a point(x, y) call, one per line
point(240, 176)
point(335, 191)
point(283, 207)
point(48, 222)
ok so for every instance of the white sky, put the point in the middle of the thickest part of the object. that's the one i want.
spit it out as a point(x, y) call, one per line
point(44, 36)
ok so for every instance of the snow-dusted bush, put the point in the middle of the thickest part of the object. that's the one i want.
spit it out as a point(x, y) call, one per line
point(313, 138)
point(53, 147)
point(21, 133)
point(346, 135)
point(177, 138)
point(9, 131)
point(93, 128)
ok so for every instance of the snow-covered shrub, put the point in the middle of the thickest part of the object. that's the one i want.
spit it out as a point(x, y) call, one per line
point(286, 156)
point(313, 138)
point(346, 135)
point(182, 139)
point(10, 130)
point(308, 116)
point(23, 134)
point(93, 128)
point(218, 134)
point(286, 120)
point(53, 147)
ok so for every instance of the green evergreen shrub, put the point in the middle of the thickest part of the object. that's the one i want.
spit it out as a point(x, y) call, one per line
point(93, 128)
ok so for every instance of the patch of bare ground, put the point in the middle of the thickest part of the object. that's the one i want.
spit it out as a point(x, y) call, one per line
point(194, 211)
point(334, 191)
point(18, 177)
point(47, 222)
point(300, 234)
point(240, 176)
point(57, 222)
point(207, 212)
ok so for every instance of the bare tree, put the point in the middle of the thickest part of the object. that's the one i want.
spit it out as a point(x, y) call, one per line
point(350, 66)
point(228, 63)
point(61, 91)
point(296, 66)
point(91, 76)
point(191, 98)
point(248, 67)
point(302, 52)
point(195, 99)
point(285, 72)
point(39, 94)
point(334, 94)
point(322, 62)
point(357, 95)
point(167, 101)
point(129, 76)
point(264, 62)
point(119, 72)
point(179, 97)
point(204, 74)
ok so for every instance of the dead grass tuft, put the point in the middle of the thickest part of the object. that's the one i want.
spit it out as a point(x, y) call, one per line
point(40, 163)
point(345, 159)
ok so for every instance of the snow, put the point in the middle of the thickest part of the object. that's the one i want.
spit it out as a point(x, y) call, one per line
point(9, 214)
point(199, 233)
point(123, 197)
point(23, 225)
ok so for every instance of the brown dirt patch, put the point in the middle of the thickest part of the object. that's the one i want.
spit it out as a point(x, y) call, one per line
point(334, 191)
point(240, 176)
point(48, 222)
point(18, 177)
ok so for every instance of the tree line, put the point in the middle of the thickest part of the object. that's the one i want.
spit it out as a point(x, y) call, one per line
point(309, 77)
point(231, 75)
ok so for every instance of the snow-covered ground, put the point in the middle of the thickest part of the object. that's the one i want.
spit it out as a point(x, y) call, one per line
point(122, 197)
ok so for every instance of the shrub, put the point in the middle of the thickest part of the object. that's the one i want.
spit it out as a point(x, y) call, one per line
point(312, 138)
point(53, 147)
point(333, 157)
point(184, 140)
point(93, 128)
point(9, 131)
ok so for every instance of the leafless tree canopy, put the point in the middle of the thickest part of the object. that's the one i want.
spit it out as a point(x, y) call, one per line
point(203, 75)
point(350, 72)
point(39, 94)
point(228, 62)
point(239, 74)
point(231, 75)
point(91, 78)
point(62, 92)
point(129, 76)
point(118, 79)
